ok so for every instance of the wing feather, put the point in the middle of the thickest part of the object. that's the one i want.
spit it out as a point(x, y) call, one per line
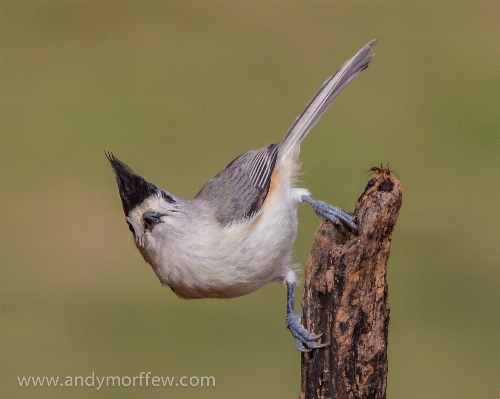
point(239, 191)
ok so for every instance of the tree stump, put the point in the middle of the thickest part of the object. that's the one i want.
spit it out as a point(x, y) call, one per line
point(346, 298)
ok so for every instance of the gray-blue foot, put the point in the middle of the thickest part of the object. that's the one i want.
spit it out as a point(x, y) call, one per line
point(331, 213)
point(300, 334)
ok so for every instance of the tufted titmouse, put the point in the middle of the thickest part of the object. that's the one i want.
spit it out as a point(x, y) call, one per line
point(236, 235)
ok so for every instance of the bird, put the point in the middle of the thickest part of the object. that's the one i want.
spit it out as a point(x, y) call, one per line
point(236, 234)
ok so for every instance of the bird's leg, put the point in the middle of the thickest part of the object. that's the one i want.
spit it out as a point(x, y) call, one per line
point(330, 212)
point(301, 335)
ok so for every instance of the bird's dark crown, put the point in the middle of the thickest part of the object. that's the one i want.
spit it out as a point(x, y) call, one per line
point(133, 188)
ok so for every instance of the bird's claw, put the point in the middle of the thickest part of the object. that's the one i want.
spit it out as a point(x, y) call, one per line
point(334, 214)
point(301, 335)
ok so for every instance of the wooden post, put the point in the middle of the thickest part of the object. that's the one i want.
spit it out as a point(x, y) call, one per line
point(346, 298)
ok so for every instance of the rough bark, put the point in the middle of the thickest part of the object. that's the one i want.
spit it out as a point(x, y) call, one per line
point(346, 298)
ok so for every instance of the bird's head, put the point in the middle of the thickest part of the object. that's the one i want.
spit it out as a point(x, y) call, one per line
point(148, 209)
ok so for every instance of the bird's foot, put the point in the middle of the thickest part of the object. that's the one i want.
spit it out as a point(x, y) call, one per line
point(332, 213)
point(301, 335)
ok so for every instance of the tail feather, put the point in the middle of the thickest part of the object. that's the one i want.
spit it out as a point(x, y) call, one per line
point(324, 97)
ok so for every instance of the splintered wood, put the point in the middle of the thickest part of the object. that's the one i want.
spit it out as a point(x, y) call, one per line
point(346, 298)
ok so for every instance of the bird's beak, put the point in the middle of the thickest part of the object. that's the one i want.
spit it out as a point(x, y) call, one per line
point(152, 219)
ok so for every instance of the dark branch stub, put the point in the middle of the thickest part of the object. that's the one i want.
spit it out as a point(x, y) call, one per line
point(346, 298)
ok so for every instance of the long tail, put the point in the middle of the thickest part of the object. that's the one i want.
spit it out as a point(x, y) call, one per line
point(324, 97)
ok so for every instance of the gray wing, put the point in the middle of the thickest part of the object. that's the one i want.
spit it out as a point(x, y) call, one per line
point(239, 191)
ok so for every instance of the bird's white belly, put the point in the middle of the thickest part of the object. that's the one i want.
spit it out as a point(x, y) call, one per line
point(232, 262)
point(235, 260)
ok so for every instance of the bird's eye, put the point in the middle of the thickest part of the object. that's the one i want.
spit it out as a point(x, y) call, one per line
point(167, 197)
point(131, 228)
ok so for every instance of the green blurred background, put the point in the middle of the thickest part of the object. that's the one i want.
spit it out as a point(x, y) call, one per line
point(177, 90)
